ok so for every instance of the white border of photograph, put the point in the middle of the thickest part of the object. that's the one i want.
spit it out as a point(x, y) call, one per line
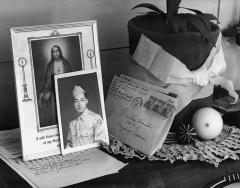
point(38, 141)
point(99, 99)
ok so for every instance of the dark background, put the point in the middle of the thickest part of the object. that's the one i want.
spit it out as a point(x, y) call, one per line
point(65, 88)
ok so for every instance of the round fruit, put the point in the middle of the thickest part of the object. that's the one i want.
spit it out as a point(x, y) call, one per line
point(207, 123)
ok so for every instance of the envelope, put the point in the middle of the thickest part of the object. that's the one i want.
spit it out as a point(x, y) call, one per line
point(139, 114)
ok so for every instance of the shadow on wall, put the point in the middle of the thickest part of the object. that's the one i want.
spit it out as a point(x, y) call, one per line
point(17, 13)
point(17, 19)
point(8, 104)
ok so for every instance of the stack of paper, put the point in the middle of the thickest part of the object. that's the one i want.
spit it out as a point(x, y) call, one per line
point(139, 114)
point(58, 170)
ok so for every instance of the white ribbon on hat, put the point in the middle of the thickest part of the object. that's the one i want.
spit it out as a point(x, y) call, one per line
point(189, 84)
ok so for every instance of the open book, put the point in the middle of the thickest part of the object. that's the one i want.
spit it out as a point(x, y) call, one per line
point(139, 114)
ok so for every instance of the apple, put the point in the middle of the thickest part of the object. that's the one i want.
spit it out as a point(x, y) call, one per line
point(207, 123)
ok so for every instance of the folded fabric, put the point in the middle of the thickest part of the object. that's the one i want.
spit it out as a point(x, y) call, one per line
point(189, 85)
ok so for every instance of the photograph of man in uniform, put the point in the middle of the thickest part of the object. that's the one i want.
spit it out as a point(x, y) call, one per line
point(81, 112)
point(87, 126)
point(51, 57)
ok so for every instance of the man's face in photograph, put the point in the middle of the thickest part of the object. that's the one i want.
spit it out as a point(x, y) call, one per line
point(80, 102)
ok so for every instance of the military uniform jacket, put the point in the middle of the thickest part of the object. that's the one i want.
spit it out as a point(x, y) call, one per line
point(85, 129)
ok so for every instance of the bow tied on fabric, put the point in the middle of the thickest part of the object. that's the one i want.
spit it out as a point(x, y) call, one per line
point(188, 84)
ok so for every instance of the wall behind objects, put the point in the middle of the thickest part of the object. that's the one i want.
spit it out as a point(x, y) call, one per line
point(111, 15)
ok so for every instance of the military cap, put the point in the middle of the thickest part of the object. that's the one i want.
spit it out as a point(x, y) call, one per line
point(77, 90)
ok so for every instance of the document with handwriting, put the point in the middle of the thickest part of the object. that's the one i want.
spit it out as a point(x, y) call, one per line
point(138, 114)
point(10, 143)
point(58, 170)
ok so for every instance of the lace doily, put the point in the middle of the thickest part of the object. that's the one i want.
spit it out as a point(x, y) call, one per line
point(226, 145)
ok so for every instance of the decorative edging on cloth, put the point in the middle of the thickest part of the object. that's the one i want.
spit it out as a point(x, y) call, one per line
point(225, 146)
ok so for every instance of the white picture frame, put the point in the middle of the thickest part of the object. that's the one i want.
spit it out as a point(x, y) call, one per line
point(81, 111)
point(33, 50)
